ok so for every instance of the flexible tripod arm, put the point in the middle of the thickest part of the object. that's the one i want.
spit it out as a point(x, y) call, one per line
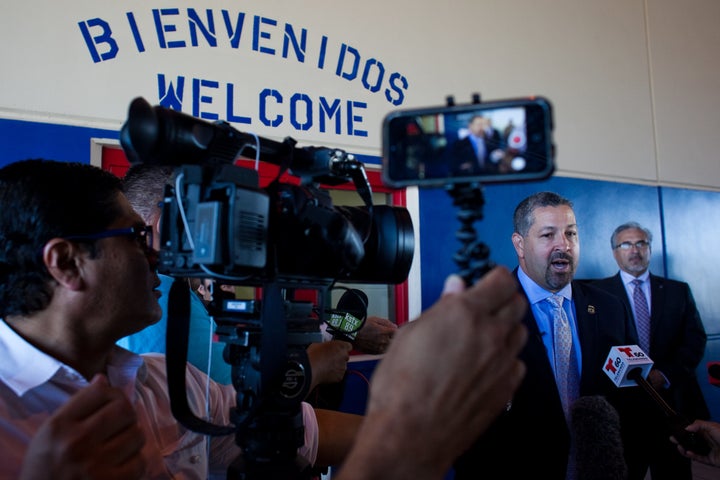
point(473, 256)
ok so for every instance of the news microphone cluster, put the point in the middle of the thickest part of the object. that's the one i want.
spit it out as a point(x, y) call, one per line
point(349, 316)
point(345, 324)
point(627, 366)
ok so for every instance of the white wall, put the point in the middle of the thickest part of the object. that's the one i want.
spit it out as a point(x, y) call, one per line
point(634, 83)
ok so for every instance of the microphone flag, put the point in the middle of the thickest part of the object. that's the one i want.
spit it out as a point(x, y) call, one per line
point(622, 360)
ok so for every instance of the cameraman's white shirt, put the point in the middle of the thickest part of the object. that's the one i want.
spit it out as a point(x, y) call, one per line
point(33, 385)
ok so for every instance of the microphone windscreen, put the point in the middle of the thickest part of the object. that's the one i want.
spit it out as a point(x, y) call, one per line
point(596, 440)
point(354, 302)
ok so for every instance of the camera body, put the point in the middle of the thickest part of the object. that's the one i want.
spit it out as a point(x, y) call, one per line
point(218, 222)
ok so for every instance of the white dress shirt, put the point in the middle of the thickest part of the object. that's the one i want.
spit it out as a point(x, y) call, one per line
point(33, 385)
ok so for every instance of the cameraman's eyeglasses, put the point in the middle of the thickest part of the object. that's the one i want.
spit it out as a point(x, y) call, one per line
point(142, 235)
point(640, 245)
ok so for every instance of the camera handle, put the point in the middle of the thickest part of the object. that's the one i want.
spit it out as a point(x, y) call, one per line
point(268, 432)
point(473, 256)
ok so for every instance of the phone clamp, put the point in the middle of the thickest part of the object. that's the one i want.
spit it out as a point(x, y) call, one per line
point(473, 256)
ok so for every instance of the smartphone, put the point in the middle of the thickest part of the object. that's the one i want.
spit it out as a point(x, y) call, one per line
point(489, 142)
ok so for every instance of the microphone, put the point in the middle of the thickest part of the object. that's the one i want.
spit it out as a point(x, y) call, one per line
point(713, 369)
point(349, 315)
point(628, 365)
point(595, 437)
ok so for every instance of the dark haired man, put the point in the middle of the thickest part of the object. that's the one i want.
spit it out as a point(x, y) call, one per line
point(77, 272)
point(571, 327)
point(473, 153)
point(144, 185)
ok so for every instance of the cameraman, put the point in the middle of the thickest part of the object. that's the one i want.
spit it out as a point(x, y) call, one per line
point(145, 193)
point(144, 186)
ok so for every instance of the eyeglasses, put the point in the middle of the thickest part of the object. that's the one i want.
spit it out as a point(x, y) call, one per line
point(142, 235)
point(640, 245)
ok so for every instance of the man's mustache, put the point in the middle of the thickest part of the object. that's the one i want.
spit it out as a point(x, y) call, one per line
point(561, 256)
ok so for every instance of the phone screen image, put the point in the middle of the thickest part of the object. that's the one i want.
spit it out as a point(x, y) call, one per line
point(490, 143)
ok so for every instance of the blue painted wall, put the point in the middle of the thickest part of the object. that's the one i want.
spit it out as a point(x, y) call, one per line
point(20, 140)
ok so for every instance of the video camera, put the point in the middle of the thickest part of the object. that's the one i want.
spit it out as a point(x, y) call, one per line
point(218, 222)
point(230, 227)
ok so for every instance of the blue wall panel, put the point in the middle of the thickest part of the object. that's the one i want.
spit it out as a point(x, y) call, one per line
point(691, 239)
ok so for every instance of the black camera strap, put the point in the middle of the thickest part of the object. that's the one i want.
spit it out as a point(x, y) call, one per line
point(178, 327)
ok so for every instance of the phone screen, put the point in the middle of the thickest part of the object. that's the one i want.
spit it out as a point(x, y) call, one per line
point(499, 141)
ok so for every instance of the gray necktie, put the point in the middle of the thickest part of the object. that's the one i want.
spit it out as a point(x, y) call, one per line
point(642, 316)
point(566, 370)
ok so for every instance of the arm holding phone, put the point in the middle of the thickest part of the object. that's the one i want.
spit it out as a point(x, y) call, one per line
point(416, 428)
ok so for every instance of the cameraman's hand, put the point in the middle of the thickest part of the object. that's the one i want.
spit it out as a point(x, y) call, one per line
point(95, 435)
point(375, 335)
point(443, 380)
point(328, 361)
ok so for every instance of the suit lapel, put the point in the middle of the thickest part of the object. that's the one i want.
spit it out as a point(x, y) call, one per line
point(619, 291)
point(657, 307)
point(534, 352)
point(585, 319)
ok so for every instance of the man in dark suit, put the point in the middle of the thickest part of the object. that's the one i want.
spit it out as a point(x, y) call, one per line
point(675, 341)
point(532, 439)
point(471, 155)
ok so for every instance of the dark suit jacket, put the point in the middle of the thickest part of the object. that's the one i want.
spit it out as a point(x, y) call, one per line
point(463, 151)
point(532, 438)
point(677, 340)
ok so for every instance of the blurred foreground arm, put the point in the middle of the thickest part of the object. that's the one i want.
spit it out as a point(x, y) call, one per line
point(711, 432)
point(445, 377)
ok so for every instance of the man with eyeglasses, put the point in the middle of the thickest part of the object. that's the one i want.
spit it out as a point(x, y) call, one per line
point(671, 332)
point(77, 272)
